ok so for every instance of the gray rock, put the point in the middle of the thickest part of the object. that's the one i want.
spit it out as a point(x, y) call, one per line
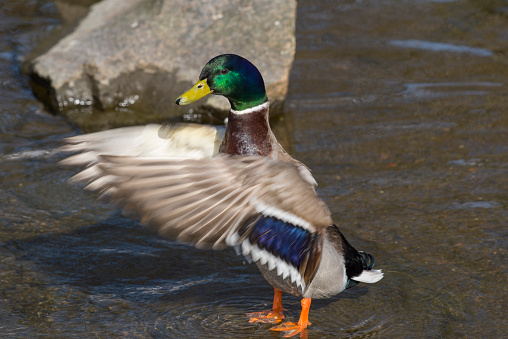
point(136, 57)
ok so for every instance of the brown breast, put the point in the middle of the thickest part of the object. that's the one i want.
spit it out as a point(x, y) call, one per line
point(248, 134)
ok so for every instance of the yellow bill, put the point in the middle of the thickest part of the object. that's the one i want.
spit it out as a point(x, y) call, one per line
point(199, 90)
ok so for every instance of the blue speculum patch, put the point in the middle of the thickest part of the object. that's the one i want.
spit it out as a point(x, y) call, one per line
point(284, 240)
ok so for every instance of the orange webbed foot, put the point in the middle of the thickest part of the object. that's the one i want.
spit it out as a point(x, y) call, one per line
point(267, 317)
point(273, 316)
point(290, 329)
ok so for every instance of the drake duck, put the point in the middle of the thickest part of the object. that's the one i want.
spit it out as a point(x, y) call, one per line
point(252, 196)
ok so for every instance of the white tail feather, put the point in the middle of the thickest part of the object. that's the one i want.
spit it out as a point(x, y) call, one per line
point(369, 276)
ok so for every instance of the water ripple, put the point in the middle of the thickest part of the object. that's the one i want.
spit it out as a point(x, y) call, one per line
point(223, 317)
point(440, 47)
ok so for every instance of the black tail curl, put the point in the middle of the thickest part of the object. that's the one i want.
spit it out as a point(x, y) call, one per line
point(367, 260)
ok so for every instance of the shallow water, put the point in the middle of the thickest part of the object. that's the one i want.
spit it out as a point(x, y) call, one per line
point(409, 144)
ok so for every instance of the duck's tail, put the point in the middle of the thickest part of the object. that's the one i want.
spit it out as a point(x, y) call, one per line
point(368, 275)
point(368, 261)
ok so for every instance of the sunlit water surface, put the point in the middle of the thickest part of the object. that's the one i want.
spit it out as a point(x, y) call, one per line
point(399, 108)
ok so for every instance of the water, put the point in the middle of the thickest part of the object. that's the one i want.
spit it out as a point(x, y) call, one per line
point(410, 149)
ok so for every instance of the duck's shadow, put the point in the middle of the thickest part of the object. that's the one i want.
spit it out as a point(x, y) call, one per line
point(120, 257)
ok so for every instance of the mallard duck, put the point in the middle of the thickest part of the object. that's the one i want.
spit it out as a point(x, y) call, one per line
point(252, 196)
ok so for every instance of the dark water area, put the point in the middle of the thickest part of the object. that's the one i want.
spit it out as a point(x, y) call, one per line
point(400, 110)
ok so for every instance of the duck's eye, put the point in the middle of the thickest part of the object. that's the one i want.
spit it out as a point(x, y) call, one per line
point(224, 71)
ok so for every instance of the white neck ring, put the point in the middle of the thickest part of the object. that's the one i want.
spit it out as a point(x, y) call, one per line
point(252, 109)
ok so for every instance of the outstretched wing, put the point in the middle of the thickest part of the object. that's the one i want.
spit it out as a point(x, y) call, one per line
point(175, 141)
point(260, 205)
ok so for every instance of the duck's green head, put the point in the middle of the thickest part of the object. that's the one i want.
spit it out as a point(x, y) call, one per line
point(231, 76)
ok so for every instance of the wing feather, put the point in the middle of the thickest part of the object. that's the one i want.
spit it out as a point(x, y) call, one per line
point(211, 202)
point(177, 140)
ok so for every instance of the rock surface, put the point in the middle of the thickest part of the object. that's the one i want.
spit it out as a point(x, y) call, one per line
point(135, 57)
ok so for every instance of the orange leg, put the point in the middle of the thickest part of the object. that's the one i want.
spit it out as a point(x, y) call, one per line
point(292, 329)
point(273, 316)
